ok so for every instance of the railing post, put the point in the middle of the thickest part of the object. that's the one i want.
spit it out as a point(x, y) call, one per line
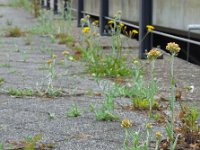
point(42, 3)
point(48, 5)
point(79, 11)
point(104, 10)
point(55, 7)
point(65, 9)
point(144, 20)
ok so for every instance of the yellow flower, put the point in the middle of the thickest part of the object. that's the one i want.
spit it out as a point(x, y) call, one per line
point(50, 61)
point(148, 126)
point(150, 28)
point(158, 135)
point(134, 32)
point(96, 22)
point(110, 22)
point(153, 54)
point(173, 48)
point(85, 29)
point(54, 56)
point(126, 123)
point(121, 25)
point(65, 53)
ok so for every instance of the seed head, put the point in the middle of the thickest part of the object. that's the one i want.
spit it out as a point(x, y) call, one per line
point(126, 123)
point(158, 135)
point(65, 53)
point(173, 48)
point(50, 61)
point(153, 54)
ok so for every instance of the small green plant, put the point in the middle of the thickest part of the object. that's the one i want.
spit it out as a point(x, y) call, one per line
point(6, 65)
point(174, 49)
point(190, 118)
point(20, 92)
point(143, 104)
point(2, 80)
point(113, 64)
point(69, 40)
point(51, 115)
point(74, 111)
point(189, 129)
point(105, 113)
point(132, 140)
point(15, 32)
point(30, 142)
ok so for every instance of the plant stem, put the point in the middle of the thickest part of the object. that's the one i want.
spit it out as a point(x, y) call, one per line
point(172, 100)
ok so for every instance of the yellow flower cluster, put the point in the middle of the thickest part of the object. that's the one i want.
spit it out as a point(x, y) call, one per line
point(110, 22)
point(121, 25)
point(65, 53)
point(134, 31)
point(85, 29)
point(153, 54)
point(95, 23)
point(158, 135)
point(50, 61)
point(150, 28)
point(148, 126)
point(126, 123)
point(173, 48)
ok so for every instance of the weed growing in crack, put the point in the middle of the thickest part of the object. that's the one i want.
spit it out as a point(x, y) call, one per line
point(51, 115)
point(50, 90)
point(108, 65)
point(19, 92)
point(74, 111)
point(106, 112)
point(152, 88)
point(45, 24)
point(2, 80)
point(30, 142)
point(15, 32)
point(132, 140)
